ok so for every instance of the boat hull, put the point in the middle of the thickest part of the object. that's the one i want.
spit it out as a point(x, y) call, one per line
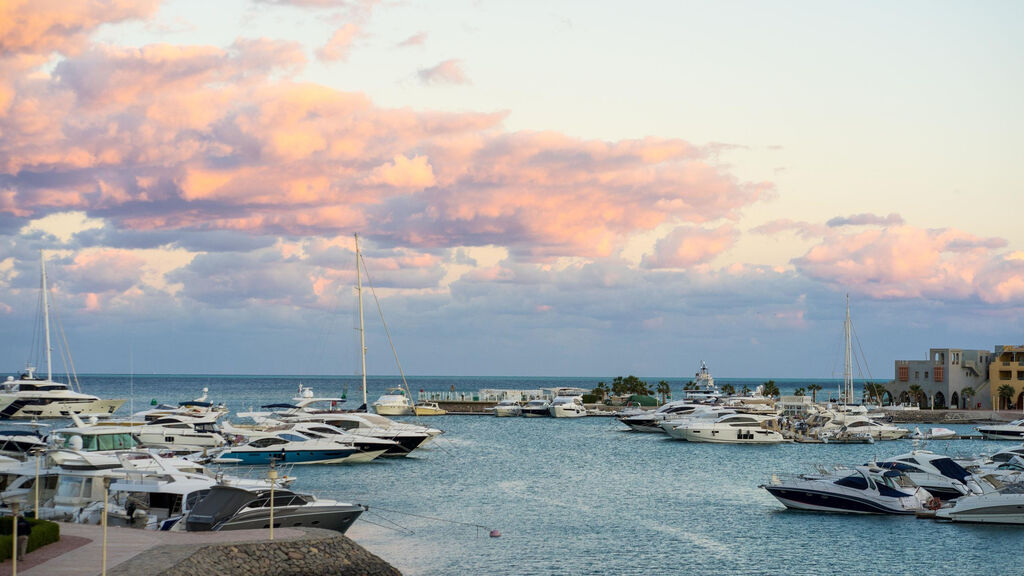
point(998, 434)
point(563, 412)
point(722, 435)
point(32, 409)
point(804, 498)
point(393, 410)
point(331, 456)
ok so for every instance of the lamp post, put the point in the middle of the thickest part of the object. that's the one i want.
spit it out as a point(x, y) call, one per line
point(272, 476)
point(14, 539)
point(106, 494)
point(36, 485)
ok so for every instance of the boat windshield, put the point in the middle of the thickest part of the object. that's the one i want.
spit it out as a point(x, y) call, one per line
point(94, 442)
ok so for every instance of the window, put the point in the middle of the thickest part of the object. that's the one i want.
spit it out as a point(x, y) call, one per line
point(925, 374)
point(903, 373)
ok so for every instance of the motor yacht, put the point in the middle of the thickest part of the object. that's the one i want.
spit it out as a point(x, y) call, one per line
point(567, 407)
point(231, 508)
point(506, 408)
point(936, 473)
point(315, 430)
point(1010, 431)
point(18, 442)
point(731, 429)
point(295, 448)
point(537, 408)
point(700, 413)
point(650, 420)
point(860, 490)
point(394, 403)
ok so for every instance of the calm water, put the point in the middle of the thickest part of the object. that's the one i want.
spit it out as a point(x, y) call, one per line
point(585, 496)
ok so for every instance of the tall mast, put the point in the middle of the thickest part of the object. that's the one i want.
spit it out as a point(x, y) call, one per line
point(46, 316)
point(362, 334)
point(848, 362)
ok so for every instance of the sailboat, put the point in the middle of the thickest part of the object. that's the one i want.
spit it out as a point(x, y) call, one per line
point(32, 397)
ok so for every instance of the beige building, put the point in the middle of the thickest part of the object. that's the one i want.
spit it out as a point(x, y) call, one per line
point(943, 377)
point(1007, 369)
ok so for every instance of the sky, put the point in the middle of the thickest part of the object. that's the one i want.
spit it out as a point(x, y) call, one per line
point(540, 188)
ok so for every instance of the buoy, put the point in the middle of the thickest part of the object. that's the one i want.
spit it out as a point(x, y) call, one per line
point(495, 534)
point(152, 402)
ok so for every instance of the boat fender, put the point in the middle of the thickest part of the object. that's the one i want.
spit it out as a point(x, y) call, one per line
point(495, 534)
point(933, 503)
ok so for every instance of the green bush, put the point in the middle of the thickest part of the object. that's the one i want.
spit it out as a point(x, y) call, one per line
point(591, 398)
point(43, 533)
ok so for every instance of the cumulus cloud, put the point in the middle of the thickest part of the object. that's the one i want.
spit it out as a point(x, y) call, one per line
point(866, 220)
point(906, 262)
point(43, 26)
point(447, 72)
point(689, 245)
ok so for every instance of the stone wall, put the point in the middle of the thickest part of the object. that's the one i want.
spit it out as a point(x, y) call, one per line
point(333, 556)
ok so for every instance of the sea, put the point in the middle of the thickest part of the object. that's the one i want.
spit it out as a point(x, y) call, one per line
point(588, 496)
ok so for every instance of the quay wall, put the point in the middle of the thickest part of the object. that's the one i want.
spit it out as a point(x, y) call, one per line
point(328, 555)
point(951, 416)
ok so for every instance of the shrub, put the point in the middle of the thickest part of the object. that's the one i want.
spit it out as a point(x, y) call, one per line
point(43, 533)
point(591, 398)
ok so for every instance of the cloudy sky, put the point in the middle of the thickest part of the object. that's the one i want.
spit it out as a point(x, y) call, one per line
point(541, 188)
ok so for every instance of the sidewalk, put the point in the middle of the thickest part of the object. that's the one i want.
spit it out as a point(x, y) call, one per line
point(80, 550)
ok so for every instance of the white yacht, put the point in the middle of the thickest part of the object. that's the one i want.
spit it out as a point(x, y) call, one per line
point(1010, 431)
point(1002, 505)
point(698, 413)
point(731, 429)
point(860, 490)
point(536, 408)
point(567, 407)
point(703, 388)
point(936, 473)
point(506, 408)
point(650, 420)
point(394, 403)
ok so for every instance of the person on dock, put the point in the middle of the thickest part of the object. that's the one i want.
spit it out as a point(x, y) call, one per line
point(24, 529)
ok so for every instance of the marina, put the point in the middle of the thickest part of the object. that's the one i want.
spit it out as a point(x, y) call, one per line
point(579, 486)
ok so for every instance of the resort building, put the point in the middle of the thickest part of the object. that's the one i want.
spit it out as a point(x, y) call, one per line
point(1006, 373)
point(944, 376)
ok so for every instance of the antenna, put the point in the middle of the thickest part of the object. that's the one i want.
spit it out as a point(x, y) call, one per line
point(362, 333)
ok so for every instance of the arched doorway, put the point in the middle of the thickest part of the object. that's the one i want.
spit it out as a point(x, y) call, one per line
point(904, 397)
point(1020, 400)
point(887, 398)
point(940, 400)
point(954, 400)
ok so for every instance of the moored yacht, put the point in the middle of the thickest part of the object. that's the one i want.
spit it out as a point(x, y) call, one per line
point(1009, 431)
point(936, 473)
point(1003, 505)
point(506, 408)
point(650, 420)
point(860, 490)
point(537, 408)
point(567, 407)
point(295, 448)
point(230, 508)
point(394, 403)
point(731, 429)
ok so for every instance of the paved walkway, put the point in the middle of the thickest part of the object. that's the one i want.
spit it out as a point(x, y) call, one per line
point(80, 550)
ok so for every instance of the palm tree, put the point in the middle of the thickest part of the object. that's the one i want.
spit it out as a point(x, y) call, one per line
point(664, 390)
point(728, 389)
point(745, 390)
point(813, 388)
point(799, 392)
point(769, 389)
point(691, 385)
point(875, 391)
point(967, 394)
point(1005, 394)
point(916, 392)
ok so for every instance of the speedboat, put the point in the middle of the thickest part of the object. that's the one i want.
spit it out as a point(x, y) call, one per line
point(1004, 504)
point(1010, 431)
point(933, 434)
point(316, 430)
point(537, 408)
point(295, 448)
point(567, 407)
point(506, 408)
point(232, 508)
point(19, 442)
point(394, 403)
point(731, 429)
point(859, 490)
point(936, 473)
point(429, 409)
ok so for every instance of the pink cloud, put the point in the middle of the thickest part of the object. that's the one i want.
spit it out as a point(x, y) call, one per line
point(905, 262)
point(418, 39)
point(447, 72)
point(340, 43)
point(44, 26)
point(688, 245)
point(866, 219)
point(803, 229)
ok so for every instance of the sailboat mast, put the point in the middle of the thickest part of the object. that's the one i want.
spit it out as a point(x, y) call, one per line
point(362, 333)
point(848, 361)
point(46, 316)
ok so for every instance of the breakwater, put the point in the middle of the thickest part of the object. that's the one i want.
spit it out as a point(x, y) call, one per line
point(321, 552)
